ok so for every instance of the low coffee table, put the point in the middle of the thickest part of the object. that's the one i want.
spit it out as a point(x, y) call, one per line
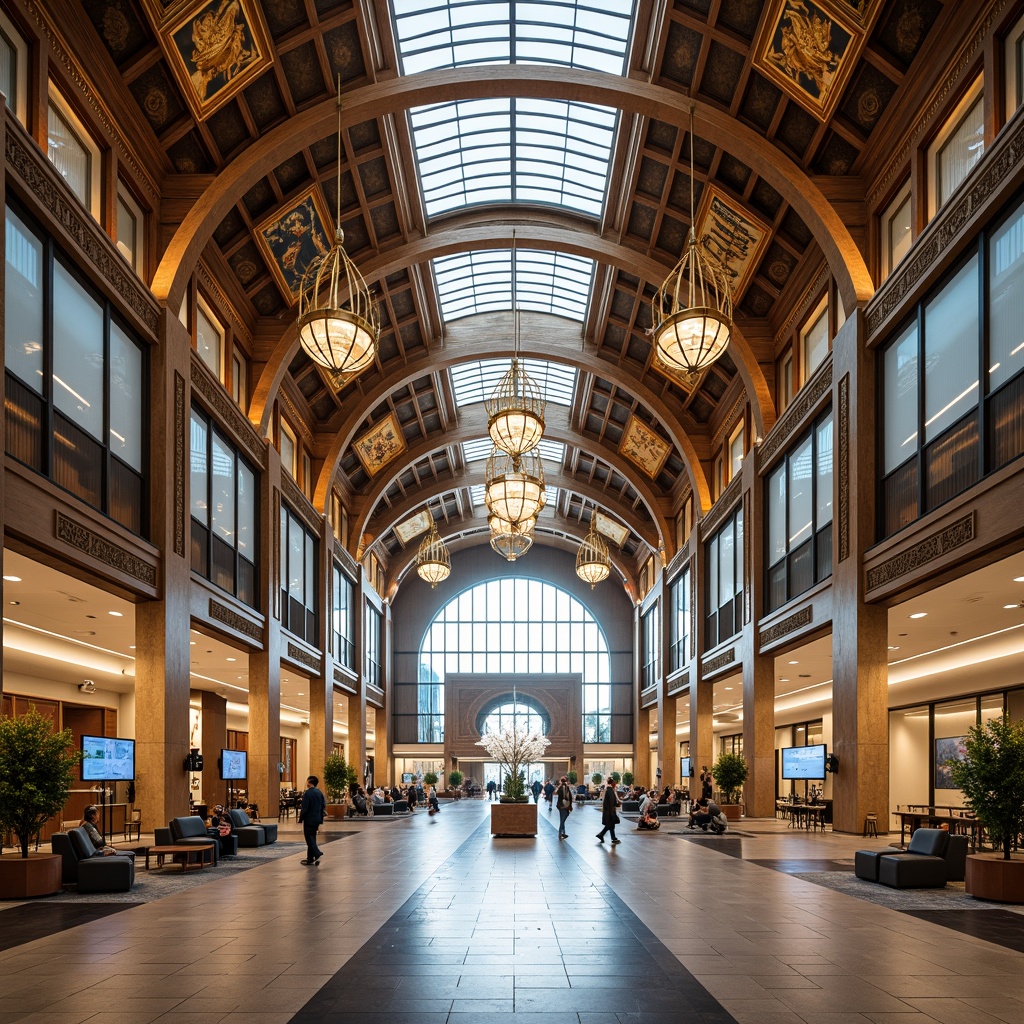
point(184, 852)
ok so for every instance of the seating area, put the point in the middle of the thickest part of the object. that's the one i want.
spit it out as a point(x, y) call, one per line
point(87, 868)
point(249, 833)
point(933, 858)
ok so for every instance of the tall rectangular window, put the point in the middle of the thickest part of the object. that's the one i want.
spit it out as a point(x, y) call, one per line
point(957, 148)
point(374, 667)
point(298, 577)
point(240, 380)
point(23, 305)
point(724, 586)
point(814, 340)
point(343, 617)
point(679, 624)
point(13, 68)
point(72, 152)
point(896, 230)
point(130, 228)
point(288, 450)
point(210, 340)
point(1013, 61)
point(786, 381)
point(736, 445)
point(649, 647)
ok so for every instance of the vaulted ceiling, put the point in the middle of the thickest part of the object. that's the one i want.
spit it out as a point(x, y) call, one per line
point(782, 148)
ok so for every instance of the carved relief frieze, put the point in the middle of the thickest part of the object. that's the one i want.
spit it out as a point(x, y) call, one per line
point(792, 419)
point(113, 555)
point(802, 305)
point(51, 192)
point(721, 508)
point(300, 504)
point(951, 537)
point(239, 623)
point(717, 663)
point(179, 464)
point(218, 400)
point(224, 305)
point(843, 465)
point(339, 676)
point(304, 657)
point(678, 563)
point(681, 682)
point(783, 627)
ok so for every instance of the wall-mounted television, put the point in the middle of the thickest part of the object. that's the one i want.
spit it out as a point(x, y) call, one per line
point(233, 764)
point(107, 759)
point(684, 770)
point(804, 762)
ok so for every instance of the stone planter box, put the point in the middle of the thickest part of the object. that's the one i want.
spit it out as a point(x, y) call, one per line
point(990, 877)
point(513, 819)
point(39, 875)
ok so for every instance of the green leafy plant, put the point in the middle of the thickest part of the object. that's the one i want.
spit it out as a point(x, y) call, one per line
point(338, 776)
point(615, 777)
point(430, 778)
point(572, 777)
point(455, 779)
point(597, 778)
point(627, 778)
point(730, 772)
point(991, 775)
point(37, 771)
point(514, 788)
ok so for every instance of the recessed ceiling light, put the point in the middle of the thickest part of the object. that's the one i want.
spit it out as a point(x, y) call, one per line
point(891, 648)
point(232, 659)
point(794, 663)
point(117, 615)
point(299, 693)
point(1009, 606)
point(14, 602)
point(131, 647)
point(918, 615)
point(13, 579)
point(1016, 579)
point(783, 680)
point(728, 687)
point(191, 643)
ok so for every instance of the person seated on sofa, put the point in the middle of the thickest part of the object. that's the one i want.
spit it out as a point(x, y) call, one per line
point(649, 818)
point(89, 824)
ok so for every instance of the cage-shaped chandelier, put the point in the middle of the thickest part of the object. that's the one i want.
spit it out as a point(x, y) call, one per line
point(593, 565)
point(692, 310)
point(511, 542)
point(337, 334)
point(515, 486)
point(433, 563)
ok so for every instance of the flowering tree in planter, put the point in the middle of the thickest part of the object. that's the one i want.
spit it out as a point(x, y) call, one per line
point(513, 748)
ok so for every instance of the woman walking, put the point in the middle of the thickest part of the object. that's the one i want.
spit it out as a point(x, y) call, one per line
point(609, 812)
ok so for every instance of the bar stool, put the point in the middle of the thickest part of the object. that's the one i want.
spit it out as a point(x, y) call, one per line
point(871, 825)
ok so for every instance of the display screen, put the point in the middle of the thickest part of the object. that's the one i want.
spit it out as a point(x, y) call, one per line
point(684, 769)
point(233, 764)
point(108, 760)
point(407, 777)
point(804, 762)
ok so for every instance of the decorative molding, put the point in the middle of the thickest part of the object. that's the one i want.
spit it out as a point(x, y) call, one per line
point(947, 539)
point(113, 555)
point(678, 563)
point(42, 181)
point(347, 561)
point(224, 305)
point(729, 419)
point(339, 676)
point(295, 417)
point(721, 508)
point(303, 657)
point(802, 306)
point(375, 694)
point(803, 617)
point(680, 682)
point(649, 697)
point(239, 623)
point(300, 504)
point(179, 464)
point(792, 419)
point(716, 664)
point(746, 557)
point(276, 499)
point(213, 394)
point(843, 460)
point(60, 50)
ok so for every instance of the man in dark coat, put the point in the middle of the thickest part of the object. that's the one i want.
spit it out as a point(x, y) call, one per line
point(312, 814)
point(609, 811)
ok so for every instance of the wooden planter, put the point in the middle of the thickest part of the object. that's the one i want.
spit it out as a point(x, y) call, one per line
point(731, 811)
point(336, 812)
point(990, 877)
point(38, 875)
point(513, 819)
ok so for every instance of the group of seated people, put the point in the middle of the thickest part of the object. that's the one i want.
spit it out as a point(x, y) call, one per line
point(708, 816)
point(415, 794)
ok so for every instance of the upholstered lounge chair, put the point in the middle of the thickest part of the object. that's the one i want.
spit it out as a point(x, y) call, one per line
point(191, 831)
point(933, 858)
point(251, 834)
point(88, 868)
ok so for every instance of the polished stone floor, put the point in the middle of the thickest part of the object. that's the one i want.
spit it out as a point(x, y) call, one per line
point(429, 919)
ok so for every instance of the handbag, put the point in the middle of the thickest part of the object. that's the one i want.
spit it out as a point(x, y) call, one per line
point(617, 819)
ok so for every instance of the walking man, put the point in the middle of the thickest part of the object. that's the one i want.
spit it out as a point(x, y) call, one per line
point(563, 801)
point(609, 812)
point(312, 814)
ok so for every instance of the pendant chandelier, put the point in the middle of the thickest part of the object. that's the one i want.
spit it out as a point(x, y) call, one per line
point(433, 563)
point(515, 486)
point(515, 411)
point(592, 562)
point(339, 336)
point(511, 542)
point(692, 310)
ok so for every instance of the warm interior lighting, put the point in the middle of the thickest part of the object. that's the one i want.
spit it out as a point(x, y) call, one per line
point(433, 563)
point(692, 310)
point(515, 486)
point(593, 565)
point(340, 336)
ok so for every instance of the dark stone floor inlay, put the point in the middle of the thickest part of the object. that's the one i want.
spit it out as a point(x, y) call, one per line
point(29, 921)
point(513, 927)
point(1003, 927)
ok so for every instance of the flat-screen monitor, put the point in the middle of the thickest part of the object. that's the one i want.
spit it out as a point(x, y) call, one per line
point(684, 769)
point(233, 764)
point(804, 762)
point(407, 777)
point(108, 760)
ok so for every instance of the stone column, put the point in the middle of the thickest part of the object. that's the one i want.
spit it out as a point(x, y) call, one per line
point(668, 745)
point(213, 739)
point(321, 688)
point(860, 691)
point(702, 693)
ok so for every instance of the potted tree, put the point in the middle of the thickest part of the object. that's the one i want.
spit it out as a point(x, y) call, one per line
point(455, 781)
point(990, 772)
point(572, 777)
point(338, 776)
point(37, 771)
point(597, 778)
point(730, 772)
point(627, 778)
point(514, 748)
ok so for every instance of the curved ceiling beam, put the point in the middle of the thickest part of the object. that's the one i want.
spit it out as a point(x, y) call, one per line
point(475, 475)
point(398, 94)
point(551, 338)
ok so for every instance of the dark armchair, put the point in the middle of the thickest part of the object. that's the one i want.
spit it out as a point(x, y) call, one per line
point(191, 831)
point(85, 866)
point(249, 833)
point(932, 859)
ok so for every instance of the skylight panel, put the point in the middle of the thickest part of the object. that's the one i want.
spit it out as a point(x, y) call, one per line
point(546, 282)
point(481, 448)
point(474, 382)
point(476, 494)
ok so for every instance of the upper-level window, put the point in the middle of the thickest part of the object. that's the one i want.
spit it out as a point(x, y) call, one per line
point(210, 339)
point(736, 449)
point(75, 380)
point(814, 337)
point(72, 151)
point(1013, 61)
point(343, 617)
point(240, 380)
point(679, 621)
point(724, 587)
point(515, 716)
point(13, 68)
point(957, 148)
point(130, 229)
point(799, 506)
point(339, 519)
point(896, 230)
point(298, 576)
point(649, 624)
point(941, 372)
point(786, 381)
point(222, 486)
point(289, 451)
point(374, 660)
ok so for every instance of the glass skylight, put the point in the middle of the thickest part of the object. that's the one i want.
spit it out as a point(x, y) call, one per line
point(473, 382)
point(572, 33)
point(476, 494)
point(474, 451)
point(546, 282)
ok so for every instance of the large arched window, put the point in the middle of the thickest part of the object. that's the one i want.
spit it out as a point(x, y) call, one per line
point(515, 626)
point(514, 716)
